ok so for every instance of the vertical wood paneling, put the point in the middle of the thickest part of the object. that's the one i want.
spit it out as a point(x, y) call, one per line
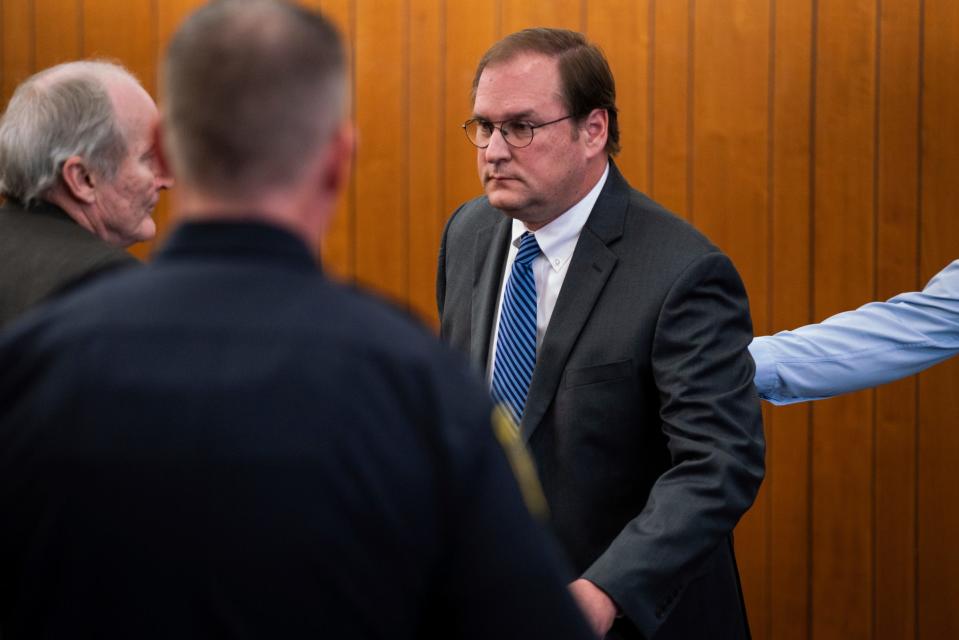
point(427, 134)
point(938, 579)
point(382, 163)
point(730, 199)
point(58, 37)
point(788, 303)
point(897, 270)
point(521, 14)
point(844, 274)
point(16, 45)
point(622, 29)
point(670, 154)
point(126, 31)
point(470, 30)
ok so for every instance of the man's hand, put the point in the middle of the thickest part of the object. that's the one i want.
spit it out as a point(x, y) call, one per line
point(599, 608)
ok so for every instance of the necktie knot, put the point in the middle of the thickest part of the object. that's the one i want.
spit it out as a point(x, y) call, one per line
point(528, 249)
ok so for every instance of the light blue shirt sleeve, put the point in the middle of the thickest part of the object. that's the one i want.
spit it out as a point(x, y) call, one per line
point(877, 343)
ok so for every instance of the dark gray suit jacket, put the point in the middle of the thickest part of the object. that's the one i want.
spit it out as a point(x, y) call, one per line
point(641, 415)
point(42, 252)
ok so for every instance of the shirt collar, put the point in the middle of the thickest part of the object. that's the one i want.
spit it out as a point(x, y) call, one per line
point(254, 241)
point(557, 240)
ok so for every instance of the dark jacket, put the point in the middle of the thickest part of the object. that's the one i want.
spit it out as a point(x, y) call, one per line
point(641, 415)
point(225, 444)
point(43, 252)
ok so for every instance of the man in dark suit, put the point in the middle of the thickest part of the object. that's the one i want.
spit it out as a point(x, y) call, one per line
point(225, 444)
point(616, 334)
point(79, 175)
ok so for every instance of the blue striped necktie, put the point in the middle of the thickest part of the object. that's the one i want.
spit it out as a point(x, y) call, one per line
point(516, 340)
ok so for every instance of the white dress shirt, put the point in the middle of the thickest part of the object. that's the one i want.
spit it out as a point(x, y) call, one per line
point(557, 241)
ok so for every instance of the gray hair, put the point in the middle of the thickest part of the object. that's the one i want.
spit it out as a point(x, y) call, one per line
point(57, 113)
point(252, 88)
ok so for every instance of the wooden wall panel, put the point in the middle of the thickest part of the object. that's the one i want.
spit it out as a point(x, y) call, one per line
point(623, 29)
point(897, 209)
point(788, 304)
point(938, 516)
point(472, 26)
point(844, 266)
point(521, 14)
point(59, 32)
point(729, 186)
point(426, 125)
point(814, 140)
point(382, 162)
point(16, 45)
point(669, 183)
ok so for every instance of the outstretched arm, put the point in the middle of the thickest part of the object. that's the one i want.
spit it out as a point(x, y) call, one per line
point(877, 343)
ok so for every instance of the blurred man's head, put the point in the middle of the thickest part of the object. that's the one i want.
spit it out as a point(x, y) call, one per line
point(254, 117)
point(81, 135)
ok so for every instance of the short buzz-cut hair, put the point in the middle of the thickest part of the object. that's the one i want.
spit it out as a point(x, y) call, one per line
point(587, 82)
point(54, 114)
point(252, 88)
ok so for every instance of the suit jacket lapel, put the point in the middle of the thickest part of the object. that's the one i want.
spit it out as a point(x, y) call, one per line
point(589, 269)
point(490, 254)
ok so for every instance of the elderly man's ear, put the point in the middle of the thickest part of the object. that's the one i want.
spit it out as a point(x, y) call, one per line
point(340, 157)
point(79, 180)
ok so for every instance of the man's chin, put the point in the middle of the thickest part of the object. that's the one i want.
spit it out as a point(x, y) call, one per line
point(505, 202)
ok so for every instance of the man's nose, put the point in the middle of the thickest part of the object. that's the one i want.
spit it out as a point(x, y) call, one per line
point(498, 148)
point(163, 181)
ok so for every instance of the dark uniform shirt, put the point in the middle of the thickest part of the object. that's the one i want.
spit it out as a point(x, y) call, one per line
point(225, 444)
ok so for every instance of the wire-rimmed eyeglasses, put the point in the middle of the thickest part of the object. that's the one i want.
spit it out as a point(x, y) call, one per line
point(516, 133)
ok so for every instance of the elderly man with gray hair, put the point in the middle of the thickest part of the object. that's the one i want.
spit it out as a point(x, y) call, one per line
point(80, 178)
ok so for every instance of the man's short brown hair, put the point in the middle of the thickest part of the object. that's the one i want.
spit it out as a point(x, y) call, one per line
point(587, 81)
point(252, 88)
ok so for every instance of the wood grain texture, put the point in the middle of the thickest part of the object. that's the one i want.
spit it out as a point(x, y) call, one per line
point(382, 161)
point(789, 305)
point(521, 14)
point(58, 32)
point(897, 260)
point(623, 30)
point(669, 184)
point(844, 275)
point(470, 30)
point(938, 521)
point(731, 50)
point(425, 123)
point(16, 44)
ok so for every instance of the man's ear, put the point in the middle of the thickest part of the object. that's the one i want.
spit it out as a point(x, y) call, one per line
point(340, 158)
point(79, 180)
point(596, 125)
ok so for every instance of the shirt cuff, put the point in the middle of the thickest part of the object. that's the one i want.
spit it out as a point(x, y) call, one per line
point(766, 377)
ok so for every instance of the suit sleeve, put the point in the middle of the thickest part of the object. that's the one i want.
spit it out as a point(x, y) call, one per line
point(711, 419)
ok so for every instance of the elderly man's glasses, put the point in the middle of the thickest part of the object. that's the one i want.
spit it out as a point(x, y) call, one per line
point(516, 133)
